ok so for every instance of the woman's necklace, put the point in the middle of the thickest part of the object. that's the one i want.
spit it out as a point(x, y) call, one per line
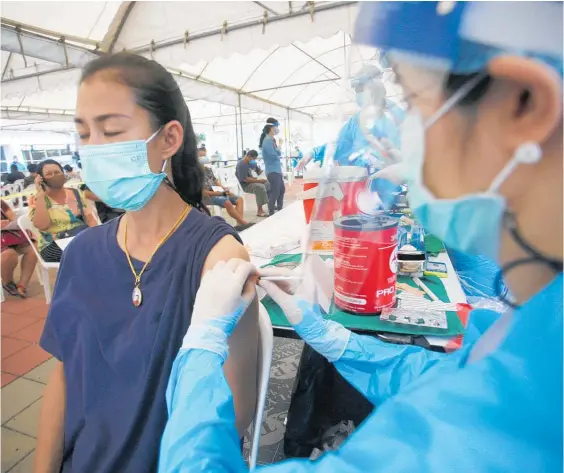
point(137, 295)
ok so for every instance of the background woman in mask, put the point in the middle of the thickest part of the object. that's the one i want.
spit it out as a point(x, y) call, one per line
point(125, 290)
point(272, 167)
point(483, 147)
point(56, 211)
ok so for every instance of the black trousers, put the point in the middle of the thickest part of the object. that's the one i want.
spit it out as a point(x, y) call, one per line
point(276, 192)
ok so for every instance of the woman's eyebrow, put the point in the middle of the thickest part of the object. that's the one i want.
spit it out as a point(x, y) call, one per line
point(102, 118)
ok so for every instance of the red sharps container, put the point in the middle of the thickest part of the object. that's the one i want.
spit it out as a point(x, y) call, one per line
point(365, 252)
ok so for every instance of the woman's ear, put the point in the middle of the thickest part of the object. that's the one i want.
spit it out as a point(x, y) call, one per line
point(531, 108)
point(172, 139)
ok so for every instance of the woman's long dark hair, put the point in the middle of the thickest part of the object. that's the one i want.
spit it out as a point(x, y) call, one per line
point(265, 131)
point(157, 92)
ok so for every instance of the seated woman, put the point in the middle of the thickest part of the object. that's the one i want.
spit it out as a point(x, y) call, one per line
point(57, 212)
point(126, 290)
point(14, 245)
point(225, 198)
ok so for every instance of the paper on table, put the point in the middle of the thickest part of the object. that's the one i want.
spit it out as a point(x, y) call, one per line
point(412, 309)
point(270, 251)
point(408, 300)
point(434, 319)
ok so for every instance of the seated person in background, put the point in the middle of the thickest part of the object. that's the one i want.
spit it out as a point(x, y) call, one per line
point(14, 244)
point(105, 213)
point(250, 184)
point(57, 212)
point(14, 174)
point(20, 166)
point(222, 198)
point(69, 173)
point(30, 180)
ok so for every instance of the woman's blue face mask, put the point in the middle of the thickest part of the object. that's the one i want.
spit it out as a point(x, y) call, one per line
point(119, 173)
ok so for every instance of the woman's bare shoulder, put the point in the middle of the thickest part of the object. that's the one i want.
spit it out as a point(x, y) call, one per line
point(225, 249)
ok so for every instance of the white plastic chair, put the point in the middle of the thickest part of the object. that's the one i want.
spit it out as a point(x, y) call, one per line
point(266, 337)
point(26, 225)
point(7, 191)
point(215, 210)
point(228, 179)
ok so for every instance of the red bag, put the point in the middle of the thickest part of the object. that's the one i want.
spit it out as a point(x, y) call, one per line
point(11, 238)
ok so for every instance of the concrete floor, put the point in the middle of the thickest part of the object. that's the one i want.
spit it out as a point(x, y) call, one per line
point(25, 369)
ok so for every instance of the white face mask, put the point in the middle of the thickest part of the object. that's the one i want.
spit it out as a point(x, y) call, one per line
point(470, 223)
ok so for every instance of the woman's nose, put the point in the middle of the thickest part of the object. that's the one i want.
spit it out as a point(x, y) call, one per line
point(96, 138)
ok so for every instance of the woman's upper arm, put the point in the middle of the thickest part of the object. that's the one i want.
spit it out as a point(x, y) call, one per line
point(241, 365)
point(32, 203)
point(11, 215)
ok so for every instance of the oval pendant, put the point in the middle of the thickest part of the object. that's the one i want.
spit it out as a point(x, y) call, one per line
point(136, 296)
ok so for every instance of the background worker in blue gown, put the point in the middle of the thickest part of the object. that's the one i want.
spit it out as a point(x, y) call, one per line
point(359, 142)
point(483, 149)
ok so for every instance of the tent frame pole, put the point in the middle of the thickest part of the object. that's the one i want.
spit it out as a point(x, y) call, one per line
point(240, 117)
point(288, 137)
point(236, 134)
point(244, 25)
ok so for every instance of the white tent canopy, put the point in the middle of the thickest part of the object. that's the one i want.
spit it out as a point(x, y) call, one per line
point(282, 53)
point(236, 60)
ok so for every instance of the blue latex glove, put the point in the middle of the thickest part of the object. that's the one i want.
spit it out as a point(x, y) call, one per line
point(327, 337)
point(455, 417)
point(224, 295)
point(375, 368)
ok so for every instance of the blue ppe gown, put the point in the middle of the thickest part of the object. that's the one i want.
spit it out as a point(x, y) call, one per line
point(435, 412)
point(352, 140)
point(477, 275)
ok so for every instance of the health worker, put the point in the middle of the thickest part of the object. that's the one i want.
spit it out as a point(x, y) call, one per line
point(483, 146)
point(371, 132)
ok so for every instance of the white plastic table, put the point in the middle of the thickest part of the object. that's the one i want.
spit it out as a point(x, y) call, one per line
point(290, 223)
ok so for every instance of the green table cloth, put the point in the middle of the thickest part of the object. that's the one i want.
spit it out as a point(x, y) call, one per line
point(371, 323)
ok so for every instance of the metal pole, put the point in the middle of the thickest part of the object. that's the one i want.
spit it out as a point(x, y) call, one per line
point(241, 122)
point(45, 32)
point(18, 33)
point(236, 134)
point(289, 168)
point(244, 25)
point(288, 132)
point(186, 76)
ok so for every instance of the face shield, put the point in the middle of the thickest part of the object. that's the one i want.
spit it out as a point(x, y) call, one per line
point(355, 204)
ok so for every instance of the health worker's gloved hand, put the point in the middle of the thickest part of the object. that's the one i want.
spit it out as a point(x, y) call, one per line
point(224, 295)
point(328, 338)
